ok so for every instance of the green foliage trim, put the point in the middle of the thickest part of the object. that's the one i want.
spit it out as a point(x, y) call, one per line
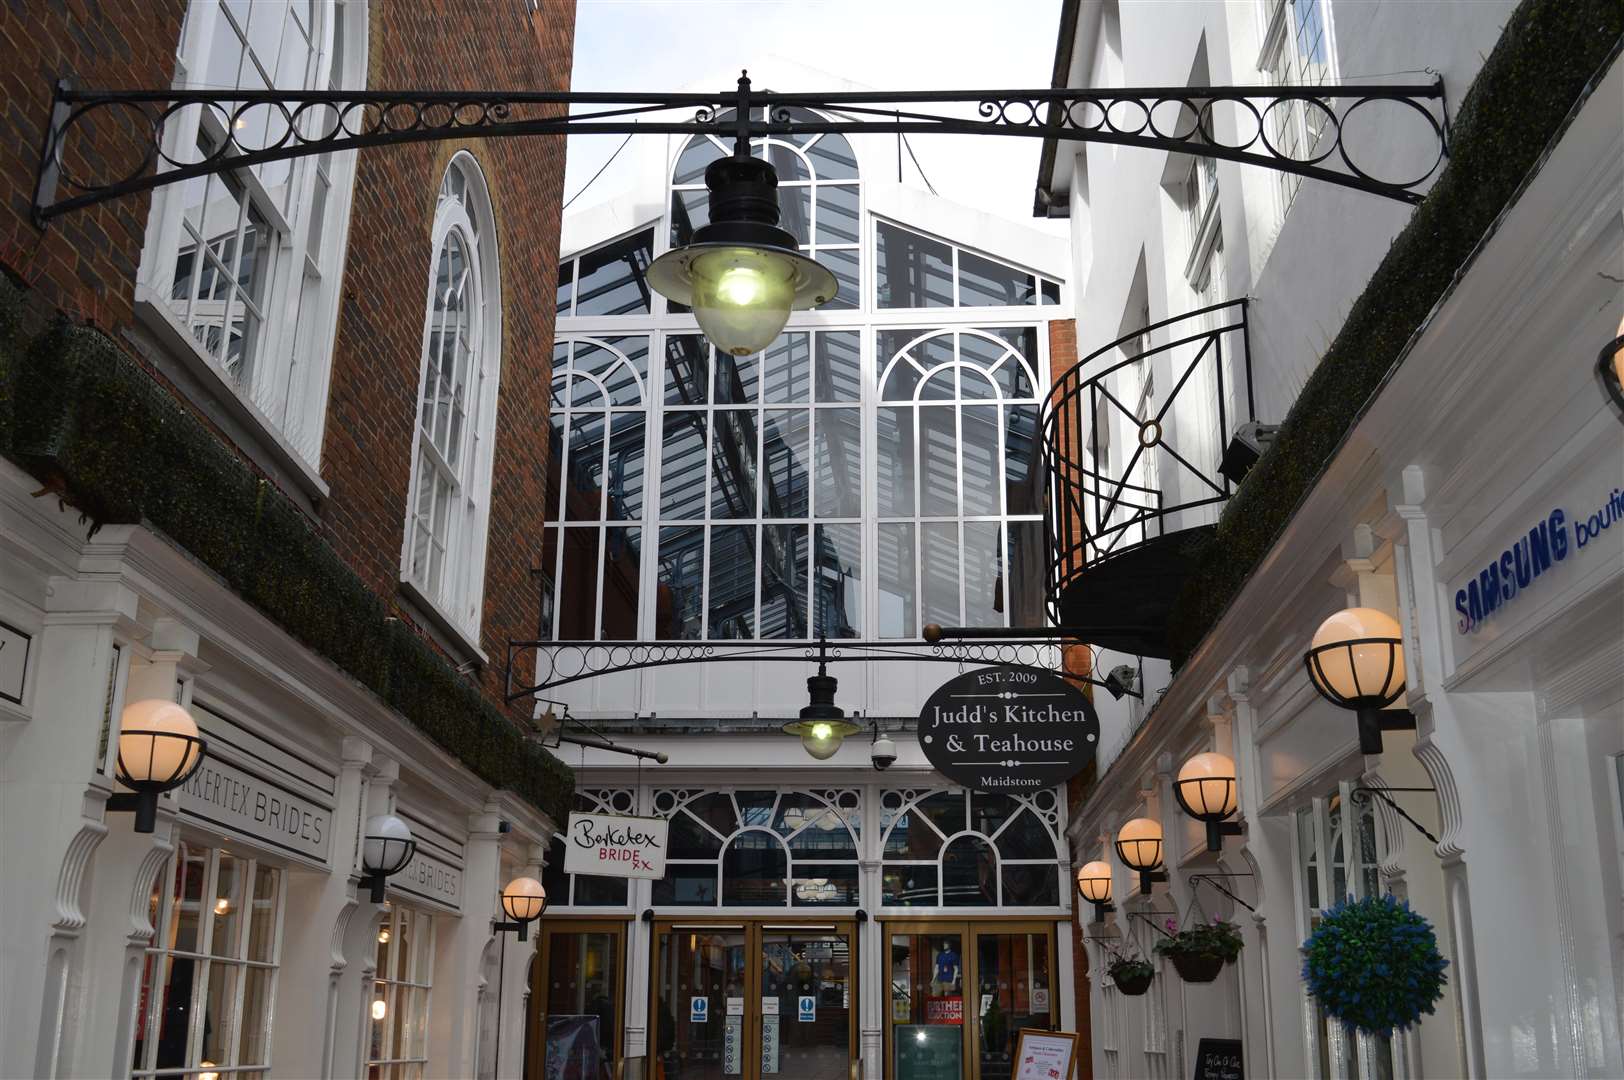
point(1545, 58)
point(103, 435)
point(1218, 939)
point(1374, 964)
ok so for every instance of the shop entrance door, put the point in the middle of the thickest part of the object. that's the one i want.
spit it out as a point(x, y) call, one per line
point(753, 999)
point(959, 992)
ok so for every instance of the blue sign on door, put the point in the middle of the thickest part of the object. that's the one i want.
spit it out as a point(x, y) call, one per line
point(699, 1009)
point(809, 1009)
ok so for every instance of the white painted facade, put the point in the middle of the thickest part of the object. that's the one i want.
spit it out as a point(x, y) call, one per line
point(1493, 420)
point(264, 838)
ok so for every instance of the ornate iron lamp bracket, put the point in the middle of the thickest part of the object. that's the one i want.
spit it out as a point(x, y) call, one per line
point(1362, 794)
point(103, 144)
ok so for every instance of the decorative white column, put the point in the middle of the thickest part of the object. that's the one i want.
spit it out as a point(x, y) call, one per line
point(460, 948)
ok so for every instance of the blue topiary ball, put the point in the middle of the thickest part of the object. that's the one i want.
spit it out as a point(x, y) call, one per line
point(1374, 964)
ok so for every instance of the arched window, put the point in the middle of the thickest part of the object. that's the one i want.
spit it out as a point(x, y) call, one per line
point(244, 266)
point(957, 848)
point(753, 848)
point(444, 558)
point(818, 197)
point(960, 528)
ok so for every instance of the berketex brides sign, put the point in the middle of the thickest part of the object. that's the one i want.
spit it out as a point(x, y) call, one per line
point(1008, 729)
point(610, 846)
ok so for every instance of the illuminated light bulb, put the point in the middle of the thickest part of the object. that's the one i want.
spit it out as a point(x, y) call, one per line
point(383, 935)
point(207, 1075)
point(379, 1009)
point(222, 906)
point(822, 731)
point(742, 298)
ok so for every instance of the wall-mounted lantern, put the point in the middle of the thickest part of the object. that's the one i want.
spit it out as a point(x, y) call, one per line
point(158, 750)
point(523, 901)
point(1139, 846)
point(386, 848)
point(1357, 661)
point(1206, 790)
point(1094, 885)
point(1610, 370)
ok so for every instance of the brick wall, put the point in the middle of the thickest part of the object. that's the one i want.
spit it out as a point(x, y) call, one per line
point(85, 263)
point(378, 355)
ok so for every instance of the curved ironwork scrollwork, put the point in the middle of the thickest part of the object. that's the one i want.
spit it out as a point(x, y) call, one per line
point(250, 128)
point(560, 663)
point(1102, 501)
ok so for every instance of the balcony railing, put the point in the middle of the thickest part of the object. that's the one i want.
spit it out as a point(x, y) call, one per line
point(1103, 502)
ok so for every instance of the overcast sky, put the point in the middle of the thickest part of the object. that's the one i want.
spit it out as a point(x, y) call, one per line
point(886, 44)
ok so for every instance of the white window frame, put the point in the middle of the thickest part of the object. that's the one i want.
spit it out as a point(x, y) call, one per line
point(282, 401)
point(456, 602)
point(1280, 62)
point(1198, 199)
point(410, 976)
point(204, 957)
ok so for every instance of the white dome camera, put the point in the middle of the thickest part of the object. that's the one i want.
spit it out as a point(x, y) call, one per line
point(883, 752)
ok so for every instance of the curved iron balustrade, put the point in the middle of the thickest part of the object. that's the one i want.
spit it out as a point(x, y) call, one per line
point(251, 128)
point(1092, 514)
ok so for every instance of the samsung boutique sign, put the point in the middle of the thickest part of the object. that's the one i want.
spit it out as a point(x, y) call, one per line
point(1550, 542)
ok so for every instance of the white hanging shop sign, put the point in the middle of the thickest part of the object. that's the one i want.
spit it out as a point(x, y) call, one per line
point(1008, 729)
point(251, 788)
point(611, 846)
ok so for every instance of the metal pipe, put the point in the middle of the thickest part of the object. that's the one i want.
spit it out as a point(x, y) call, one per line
point(590, 742)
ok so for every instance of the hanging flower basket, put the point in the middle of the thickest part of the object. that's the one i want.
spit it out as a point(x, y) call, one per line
point(1132, 977)
point(1374, 965)
point(1200, 951)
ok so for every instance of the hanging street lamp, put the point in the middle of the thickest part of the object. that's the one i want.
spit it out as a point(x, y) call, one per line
point(1139, 846)
point(523, 901)
point(386, 848)
point(1094, 885)
point(741, 274)
point(823, 724)
point(1356, 661)
point(158, 750)
point(1206, 791)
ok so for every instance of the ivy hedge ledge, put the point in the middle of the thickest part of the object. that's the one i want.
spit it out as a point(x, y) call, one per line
point(94, 427)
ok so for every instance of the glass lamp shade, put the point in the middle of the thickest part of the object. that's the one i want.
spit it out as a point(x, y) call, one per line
point(158, 745)
point(820, 740)
point(1206, 787)
point(1094, 882)
point(524, 899)
point(742, 297)
point(1357, 659)
point(1139, 844)
point(388, 845)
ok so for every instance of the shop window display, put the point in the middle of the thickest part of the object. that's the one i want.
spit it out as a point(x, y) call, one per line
point(397, 1035)
point(210, 977)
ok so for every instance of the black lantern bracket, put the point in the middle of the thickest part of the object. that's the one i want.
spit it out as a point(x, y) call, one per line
point(245, 128)
point(1209, 880)
point(1362, 794)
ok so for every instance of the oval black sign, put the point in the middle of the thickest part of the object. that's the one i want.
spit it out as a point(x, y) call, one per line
point(1008, 729)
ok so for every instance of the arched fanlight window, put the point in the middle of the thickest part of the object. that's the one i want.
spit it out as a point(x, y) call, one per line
point(755, 847)
point(956, 848)
point(960, 524)
point(819, 197)
point(443, 561)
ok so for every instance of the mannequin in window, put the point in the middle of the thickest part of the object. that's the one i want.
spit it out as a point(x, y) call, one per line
point(947, 970)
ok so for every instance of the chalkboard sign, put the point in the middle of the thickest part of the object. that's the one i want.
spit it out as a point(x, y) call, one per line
point(927, 1051)
point(1219, 1059)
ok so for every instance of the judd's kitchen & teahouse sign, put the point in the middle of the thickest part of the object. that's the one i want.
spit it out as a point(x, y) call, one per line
point(611, 846)
point(1008, 729)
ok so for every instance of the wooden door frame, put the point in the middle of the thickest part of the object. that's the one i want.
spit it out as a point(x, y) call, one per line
point(969, 928)
point(753, 927)
point(536, 1035)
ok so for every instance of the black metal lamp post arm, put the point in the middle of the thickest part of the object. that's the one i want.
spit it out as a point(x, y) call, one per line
point(1180, 119)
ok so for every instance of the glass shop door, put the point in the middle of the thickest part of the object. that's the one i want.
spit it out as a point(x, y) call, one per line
point(753, 1000)
point(959, 993)
point(575, 995)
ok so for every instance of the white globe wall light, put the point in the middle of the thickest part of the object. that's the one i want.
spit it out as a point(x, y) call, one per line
point(159, 749)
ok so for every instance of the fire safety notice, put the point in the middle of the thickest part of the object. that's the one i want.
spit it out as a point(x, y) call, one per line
point(611, 846)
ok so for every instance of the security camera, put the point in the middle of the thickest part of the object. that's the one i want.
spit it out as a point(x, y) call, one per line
point(1122, 680)
point(883, 752)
